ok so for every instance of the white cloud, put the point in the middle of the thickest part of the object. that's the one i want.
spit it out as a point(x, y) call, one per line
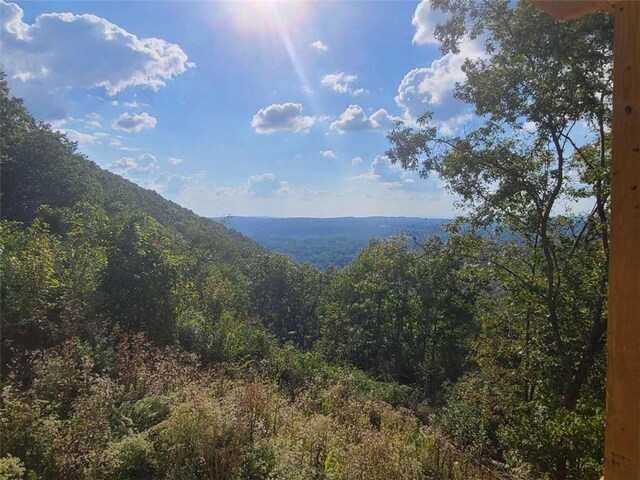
point(46, 58)
point(431, 88)
point(451, 125)
point(425, 20)
point(142, 164)
point(93, 121)
point(328, 153)
point(354, 118)
point(393, 177)
point(134, 122)
point(530, 127)
point(356, 161)
point(318, 45)
point(341, 83)
point(175, 161)
point(134, 104)
point(117, 143)
point(49, 55)
point(383, 120)
point(282, 117)
point(354, 197)
point(80, 137)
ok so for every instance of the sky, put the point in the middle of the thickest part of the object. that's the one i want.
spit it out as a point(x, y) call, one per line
point(262, 108)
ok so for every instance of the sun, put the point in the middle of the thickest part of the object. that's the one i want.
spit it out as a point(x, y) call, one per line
point(266, 17)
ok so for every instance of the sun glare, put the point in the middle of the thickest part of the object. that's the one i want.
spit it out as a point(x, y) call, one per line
point(277, 20)
point(266, 17)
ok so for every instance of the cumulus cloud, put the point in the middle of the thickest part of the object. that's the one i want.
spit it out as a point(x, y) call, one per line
point(356, 161)
point(354, 118)
point(431, 88)
point(383, 120)
point(341, 83)
point(175, 161)
point(393, 177)
point(328, 153)
point(134, 122)
point(80, 137)
point(425, 20)
point(142, 164)
point(43, 58)
point(282, 117)
point(321, 47)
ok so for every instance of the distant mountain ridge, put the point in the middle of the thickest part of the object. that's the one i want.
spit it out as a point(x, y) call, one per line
point(328, 241)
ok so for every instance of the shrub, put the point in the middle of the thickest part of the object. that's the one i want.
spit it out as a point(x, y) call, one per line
point(198, 440)
point(11, 468)
point(128, 459)
point(257, 463)
point(147, 412)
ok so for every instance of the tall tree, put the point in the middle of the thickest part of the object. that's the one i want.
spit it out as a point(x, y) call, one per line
point(557, 76)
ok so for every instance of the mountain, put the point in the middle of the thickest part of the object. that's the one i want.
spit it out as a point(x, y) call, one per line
point(328, 242)
point(41, 168)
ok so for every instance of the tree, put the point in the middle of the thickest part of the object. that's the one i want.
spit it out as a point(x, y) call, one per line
point(539, 70)
point(139, 279)
point(401, 314)
point(285, 297)
point(30, 288)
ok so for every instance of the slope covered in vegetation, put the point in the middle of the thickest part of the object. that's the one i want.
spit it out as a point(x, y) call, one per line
point(141, 341)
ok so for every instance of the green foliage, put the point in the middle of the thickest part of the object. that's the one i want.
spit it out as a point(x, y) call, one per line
point(29, 288)
point(11, 468)
point(146, 412)
point(129, 458)
point(139, 279)
point(401, 314)
point(285, 297)
point(543, 317)
point(142, 341)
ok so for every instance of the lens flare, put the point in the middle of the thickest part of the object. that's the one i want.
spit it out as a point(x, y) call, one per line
point(274, 23)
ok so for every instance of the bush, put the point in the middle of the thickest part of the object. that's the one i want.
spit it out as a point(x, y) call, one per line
point(257, 463)
point(147, 412)
point(128, 459)
point(242, 341)
point(27, 431)
point(11, 468)
point(199, 440)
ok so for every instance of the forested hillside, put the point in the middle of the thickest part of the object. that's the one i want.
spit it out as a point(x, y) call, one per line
point(142, 341)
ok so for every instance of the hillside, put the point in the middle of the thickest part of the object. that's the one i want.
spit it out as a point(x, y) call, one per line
point(328, 242)
point(142, 341)
point(139, 340)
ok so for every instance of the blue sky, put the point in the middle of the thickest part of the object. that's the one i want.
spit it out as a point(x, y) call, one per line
point(242, 108)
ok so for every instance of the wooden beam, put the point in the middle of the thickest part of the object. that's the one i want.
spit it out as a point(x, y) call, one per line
point(570, 9)
point(622, 434)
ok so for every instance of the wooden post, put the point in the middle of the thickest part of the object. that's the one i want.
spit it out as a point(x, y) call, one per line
point(622, 433)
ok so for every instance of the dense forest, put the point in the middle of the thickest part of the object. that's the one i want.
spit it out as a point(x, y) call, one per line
point(142, 341)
